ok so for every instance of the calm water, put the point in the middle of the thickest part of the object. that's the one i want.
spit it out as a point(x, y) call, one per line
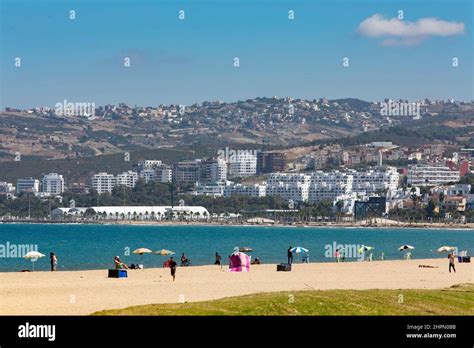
point(94, 246)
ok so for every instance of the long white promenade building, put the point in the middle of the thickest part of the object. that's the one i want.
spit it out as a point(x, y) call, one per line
point(156, 213)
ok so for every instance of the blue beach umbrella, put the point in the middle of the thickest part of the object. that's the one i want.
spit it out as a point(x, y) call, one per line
point(297, 250)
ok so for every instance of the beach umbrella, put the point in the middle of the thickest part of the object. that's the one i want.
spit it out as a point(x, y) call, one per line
point(245, 249)
point(164, 252)
point(297, 250)
point(446, 248)
point(33, 256)
point(141, 251)
point(406, 247)
point(365, 248)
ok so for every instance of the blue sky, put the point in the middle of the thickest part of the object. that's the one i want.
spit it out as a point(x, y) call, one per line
point(182, 62)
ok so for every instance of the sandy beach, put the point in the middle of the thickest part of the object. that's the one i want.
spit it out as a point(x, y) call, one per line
point(84, 292)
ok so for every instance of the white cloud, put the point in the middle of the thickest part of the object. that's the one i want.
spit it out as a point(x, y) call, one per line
point(400, 32)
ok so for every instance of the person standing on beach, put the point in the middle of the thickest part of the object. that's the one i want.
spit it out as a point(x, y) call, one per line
point(218, 259)
point(451, 263)
point(290, 255)
point(173, 268)
point(54, 262)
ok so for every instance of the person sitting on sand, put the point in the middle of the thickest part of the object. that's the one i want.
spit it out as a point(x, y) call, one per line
point(119, 264)
point(184, 260)
point(256, 261)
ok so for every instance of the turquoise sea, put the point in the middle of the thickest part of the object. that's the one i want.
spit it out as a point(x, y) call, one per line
point(94, 246)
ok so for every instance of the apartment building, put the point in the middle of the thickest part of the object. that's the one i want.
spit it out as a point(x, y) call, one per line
point(52, 183)
point(270, 162)
point(28, 185)
point(6, 187)
point(423, 175)
point(128, 179)
point(103, 182)
point(255, 190)
point(243, 165)
point(214, 170)
point(187, 171)
point(376, 179)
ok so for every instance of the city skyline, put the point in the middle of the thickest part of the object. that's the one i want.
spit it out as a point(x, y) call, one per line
point(174, 61)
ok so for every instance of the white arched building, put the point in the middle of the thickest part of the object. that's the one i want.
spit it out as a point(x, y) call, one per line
point(136, 212)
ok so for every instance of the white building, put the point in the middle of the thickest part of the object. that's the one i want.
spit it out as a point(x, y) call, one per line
point(256, 190)
point(6, 187)
point(148, 164)
point(297, 192)
point(128, 179)
point(243, 165)
point(376, 179)
point(52, 183)
point(148, 175)
point(136, 212)
point(164, 174)
point(28, 185)
point(293, 187)
point(422, 175)
point(218, 171)
point(103, 182)
point(213, 190)
point(288, 178)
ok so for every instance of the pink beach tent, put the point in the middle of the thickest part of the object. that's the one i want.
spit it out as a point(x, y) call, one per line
point(239, 262)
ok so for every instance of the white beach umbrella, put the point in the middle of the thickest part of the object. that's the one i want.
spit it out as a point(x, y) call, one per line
point(297, 250)
point(141, 251)
point(365, 248)
point(446, 248)
point(406, 247)
point(33, 256)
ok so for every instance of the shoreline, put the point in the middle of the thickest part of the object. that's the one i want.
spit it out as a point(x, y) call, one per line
point(84, 292)
point(382, 223)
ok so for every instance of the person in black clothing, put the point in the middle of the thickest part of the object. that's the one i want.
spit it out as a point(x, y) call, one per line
point(290, 255)
point(173, 267)
point(218, 259)
point(54, 261)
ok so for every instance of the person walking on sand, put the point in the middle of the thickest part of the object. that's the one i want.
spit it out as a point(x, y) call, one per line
point(290, 255)
point(451, 263)
point(172, 264)
point(337, 254)
point(54, 262)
